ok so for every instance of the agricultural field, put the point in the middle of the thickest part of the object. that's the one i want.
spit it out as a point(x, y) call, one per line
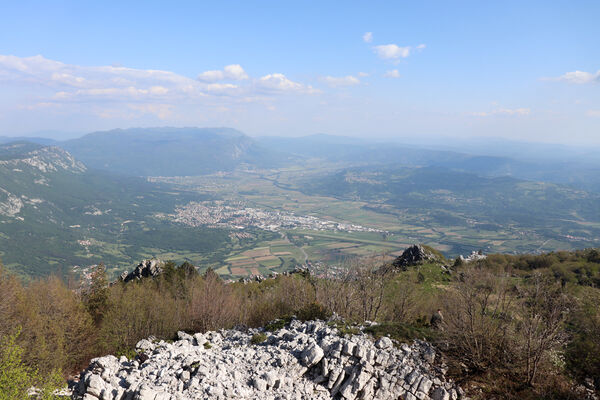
point(403, 219)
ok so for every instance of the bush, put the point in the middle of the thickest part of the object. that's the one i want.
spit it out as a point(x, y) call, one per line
point(139, 310)
point(59, 332)
point(258, 338)
point(97, 295)
point(404, 333)
point(583, 352)
point(11, 293)
point(313, 310)
point(277, 324)
point(594, 256)
point(344, 328)
point(477, 325)
point(16, 378)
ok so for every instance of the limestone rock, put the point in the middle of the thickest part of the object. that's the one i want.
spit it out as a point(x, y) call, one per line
point(145, 269)
point(304, 360)
point(414, 255)
point(384, 343)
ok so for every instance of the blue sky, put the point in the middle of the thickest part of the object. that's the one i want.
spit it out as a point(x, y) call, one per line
point(525, 70)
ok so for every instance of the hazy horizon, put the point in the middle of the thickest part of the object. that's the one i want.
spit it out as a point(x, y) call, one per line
point(420, 141)
point(527, 72)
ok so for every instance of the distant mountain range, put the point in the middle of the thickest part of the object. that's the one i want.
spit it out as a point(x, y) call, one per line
point(172, 151)
point(197, 151)
point(537, 162)
point(31, 139)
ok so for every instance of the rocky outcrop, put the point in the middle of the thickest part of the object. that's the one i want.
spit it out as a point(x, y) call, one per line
point(474, 256)
point(414, 255)
point(301, 361)
point(145, 269)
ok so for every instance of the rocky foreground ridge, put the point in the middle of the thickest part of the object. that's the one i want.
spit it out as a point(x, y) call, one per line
point(303, 360)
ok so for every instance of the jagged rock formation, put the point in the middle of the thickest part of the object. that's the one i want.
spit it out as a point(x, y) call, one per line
point(414, 255)
point(300, 361)
point(21, 155)
point(474, 256)
point(145, 269)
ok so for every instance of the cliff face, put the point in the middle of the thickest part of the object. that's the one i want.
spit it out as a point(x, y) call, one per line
point(307, 360)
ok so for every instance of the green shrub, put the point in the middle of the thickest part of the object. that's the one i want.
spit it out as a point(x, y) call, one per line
point(277, 324)
point(344, 328)
point(583, 351)
point(313, 310)
point(129, 353)
point(16, 377)
point(404, 333)
point(258, 338)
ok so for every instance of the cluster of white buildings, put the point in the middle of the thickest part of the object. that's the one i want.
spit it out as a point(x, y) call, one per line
point(238, 216)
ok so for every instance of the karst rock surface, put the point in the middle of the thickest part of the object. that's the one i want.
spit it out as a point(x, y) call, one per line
point(307, 360)
point(414, 255)
point(145, 269)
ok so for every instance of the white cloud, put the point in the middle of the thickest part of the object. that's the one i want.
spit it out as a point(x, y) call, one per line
point(211, 76)
point(421, 47)
point(337, 81)
point(579, 77)
point(70, 80)
point(503, 111)
point(392, 74)
point(363, 74)
point(368, 37)
point(280, 83)
point(235, 71)
point(391, 51)
point(230, 72)
point(222, 88)
point(116, 92)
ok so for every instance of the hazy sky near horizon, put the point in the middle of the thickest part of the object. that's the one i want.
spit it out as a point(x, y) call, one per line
point(526, 70)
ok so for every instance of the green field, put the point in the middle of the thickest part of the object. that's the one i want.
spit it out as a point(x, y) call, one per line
point(438, 222)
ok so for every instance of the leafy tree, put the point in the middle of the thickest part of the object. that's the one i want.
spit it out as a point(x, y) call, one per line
point(594, 256)
point(11, 292)
point(583, 352)
point(16, 378)
point(97, 295)
point(187, 270)
point(169, 271)
point(544, 311)
point(59, 331)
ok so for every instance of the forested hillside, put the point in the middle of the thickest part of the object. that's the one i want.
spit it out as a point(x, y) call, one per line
point(56, 213)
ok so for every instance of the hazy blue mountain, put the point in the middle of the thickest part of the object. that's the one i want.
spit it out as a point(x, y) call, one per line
point(39, 140)
point(171, 151)
point(353, 150)
point(500, 147)
point(484, 157)
point(576, 174)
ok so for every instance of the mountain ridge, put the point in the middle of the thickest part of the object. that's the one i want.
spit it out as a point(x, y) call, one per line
point(171, 151)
